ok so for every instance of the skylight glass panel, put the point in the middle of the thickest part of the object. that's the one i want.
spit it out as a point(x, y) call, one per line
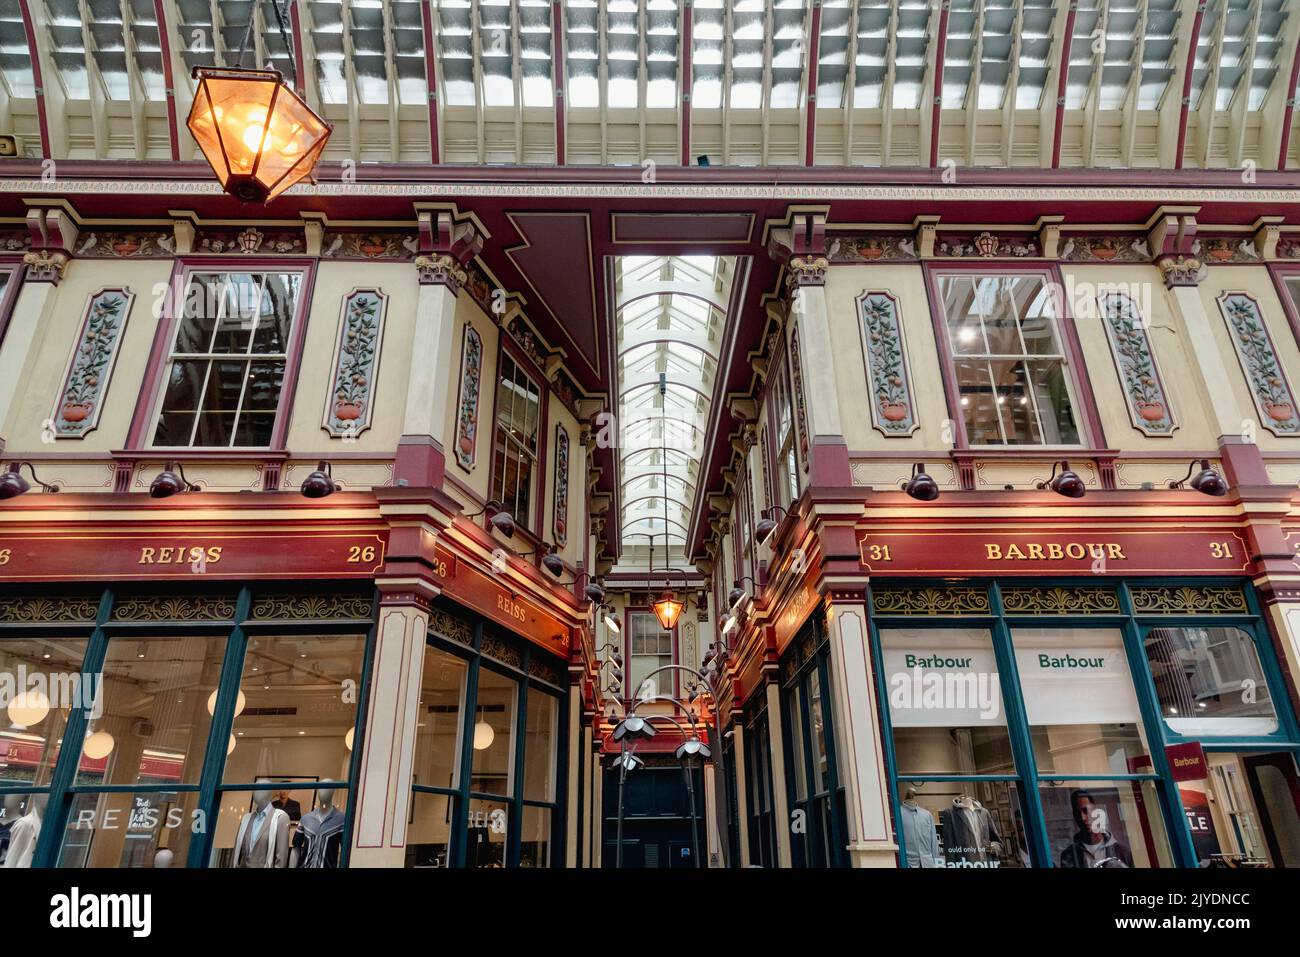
point(15, 56)
point(833, 54)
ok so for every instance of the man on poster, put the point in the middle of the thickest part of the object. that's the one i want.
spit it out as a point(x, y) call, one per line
point(1093, 844)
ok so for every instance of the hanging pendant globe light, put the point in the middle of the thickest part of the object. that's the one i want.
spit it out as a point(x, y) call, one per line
point(668, 608)
point(483, 736)
point(28, 708)
point(98, 745)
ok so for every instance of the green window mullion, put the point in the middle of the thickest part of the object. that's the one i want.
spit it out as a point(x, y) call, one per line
point(514, 843)
point(559, 832)
point(223, 719)
point(65, 769)
point(838, 838)
point(1149, 707)
point(1022, 745)
point(892, 776)
point(812, 822)
point(460, 817)
point(359, 726)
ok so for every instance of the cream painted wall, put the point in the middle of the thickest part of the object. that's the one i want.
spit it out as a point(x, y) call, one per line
point(477, 478)
point(1167, 335)
point(44, 371)
point(1256, 281)
point(557, 414)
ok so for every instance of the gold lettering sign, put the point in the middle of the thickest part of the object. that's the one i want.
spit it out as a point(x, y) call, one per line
point(179, 555)
point(1054, 551)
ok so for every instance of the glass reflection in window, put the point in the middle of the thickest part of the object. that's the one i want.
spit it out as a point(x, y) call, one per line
point(46, 683)
point(1209, 681)
point(494, 725)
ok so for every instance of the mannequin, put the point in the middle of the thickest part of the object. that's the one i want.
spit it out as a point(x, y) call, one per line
point(319, 837)
point(9, 815)
point(919, 835)
point(24, 833)
point(263, 838)
point(969, 834)
point(163, 857)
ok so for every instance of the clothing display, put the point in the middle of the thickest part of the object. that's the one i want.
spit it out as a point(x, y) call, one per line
point(319, 838)
point(263, 838)
point(1108, 852)
point(970, 836)
point(23, 834)
point(920, 837)
point(4, 840)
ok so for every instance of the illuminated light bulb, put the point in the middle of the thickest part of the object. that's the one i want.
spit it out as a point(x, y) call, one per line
point(349, 738)
point(28, 709)
point(239, 703)
point(98, 745)
point(231, 746)
point(483, 736)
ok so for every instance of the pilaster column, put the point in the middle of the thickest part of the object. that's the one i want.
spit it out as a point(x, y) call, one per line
point(857, 733)
point(446, 247)
point(742, 800)
point(776, 743)
point(27, 323)
point(573, 805)
point(383, 788)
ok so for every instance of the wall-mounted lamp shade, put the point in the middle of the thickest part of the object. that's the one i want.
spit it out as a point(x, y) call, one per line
point(98, 745)
point(28, 709)
point(668, 609)
point(483, 736)
point(1208, 481)
point(168, 482)
point(692, 747)
point(257, 134)
point(633, 728)
point(12, 483)
point(1067, 483)
point(735, 595)
point(504, 523)
point(764, 529)
point(595, 594)
point(921, 486)
point(553, 563)
point(612, 624)
point(239, 703)
point(319, 483)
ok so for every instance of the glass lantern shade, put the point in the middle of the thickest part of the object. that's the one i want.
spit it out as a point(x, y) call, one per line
point(667, 609)
point(256, 133)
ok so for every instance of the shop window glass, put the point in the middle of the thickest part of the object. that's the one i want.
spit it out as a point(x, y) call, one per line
point(227, 366)
point(1009, 359)
point(130, 829)
point(945, 701)
point(1244, 814)
point(21, 816)
point(428, 836)
point(515, 449)
point(963, 824)
point(796, 745)
point(786, 481)
point(252, 833)
point(41, 682)
point(488, 825)
point(437, 732)
point(494, 726)
point(1209, 681)
point(299, 696)
point(157, 700)
point(1079, 699)
point(817, 730)
point(535, 841)
point(539, 747)
point(1110, 824)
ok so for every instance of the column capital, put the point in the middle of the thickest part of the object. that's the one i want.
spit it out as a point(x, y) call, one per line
point(45, 265)
point(1180, 270)
point(447, 245)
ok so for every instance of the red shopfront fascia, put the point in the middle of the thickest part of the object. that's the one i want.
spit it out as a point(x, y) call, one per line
point(992, 552)
point(273, 553)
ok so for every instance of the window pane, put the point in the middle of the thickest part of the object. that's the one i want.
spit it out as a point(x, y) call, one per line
point(309, 834)
point(1052, 396)
point(797, 770)
point(125, 829)
point(645, 639)
point(945, 701)
point(437, 735)
point(539, 747)
point(1104, 824)
point(46, 676)
point(300, 708)
point(428, 836)
point(978, 402)
point(18, 844)
point(817, 731)
point(279, 300)
point(488, 823)
point(535, 846)
point(1079, 699)
point(963, 824)
point(1209, 681)
point(1246, 812)
point(157, 698)
point(494, 727)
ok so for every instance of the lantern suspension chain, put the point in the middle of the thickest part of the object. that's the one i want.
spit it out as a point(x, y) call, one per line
point(284, 35)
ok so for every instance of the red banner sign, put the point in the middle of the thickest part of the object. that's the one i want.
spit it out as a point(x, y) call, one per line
point(1187, 761)
point(192, 554)
point(1158, 550)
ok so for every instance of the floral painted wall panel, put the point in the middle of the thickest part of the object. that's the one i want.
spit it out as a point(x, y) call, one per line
point(471, 372)
point(892, 412)
point(796, 386)
point(561, 521)
point(1148, 405)
point(76, 411)
point(1268, 383)
point(356, 360)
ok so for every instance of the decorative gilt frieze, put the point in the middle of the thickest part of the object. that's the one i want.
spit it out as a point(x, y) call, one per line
point(441, 270)
point(354, 245)
point(560, 524)
point(80, 401)
point(174, 608)
point(1227, 250)
point(1181, 271)
point(1120, 249)
point(955, 600)
point(1274, 400)
point(987, 246)
point(45, 265)
point(1084, 600)
point(451, 627)
point(892, 412)
point(544, 668)
point(858, 249)
point(471, 374)
point(356, 361)
point(805, 271)
point(501, 650)
point(313, 607)
point(1130, 347)
point(33, 610)
point(127, 245)
point(1188, 600)
point(800, 409)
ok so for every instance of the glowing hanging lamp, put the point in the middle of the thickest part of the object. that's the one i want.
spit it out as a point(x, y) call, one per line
point(668, 608)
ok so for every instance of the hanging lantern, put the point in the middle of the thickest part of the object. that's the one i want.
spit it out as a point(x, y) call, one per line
point(257, 134)
point(668, 609)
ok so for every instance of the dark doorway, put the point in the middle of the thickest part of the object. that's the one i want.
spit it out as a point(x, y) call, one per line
point(1276, 793)
point(656, 818)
